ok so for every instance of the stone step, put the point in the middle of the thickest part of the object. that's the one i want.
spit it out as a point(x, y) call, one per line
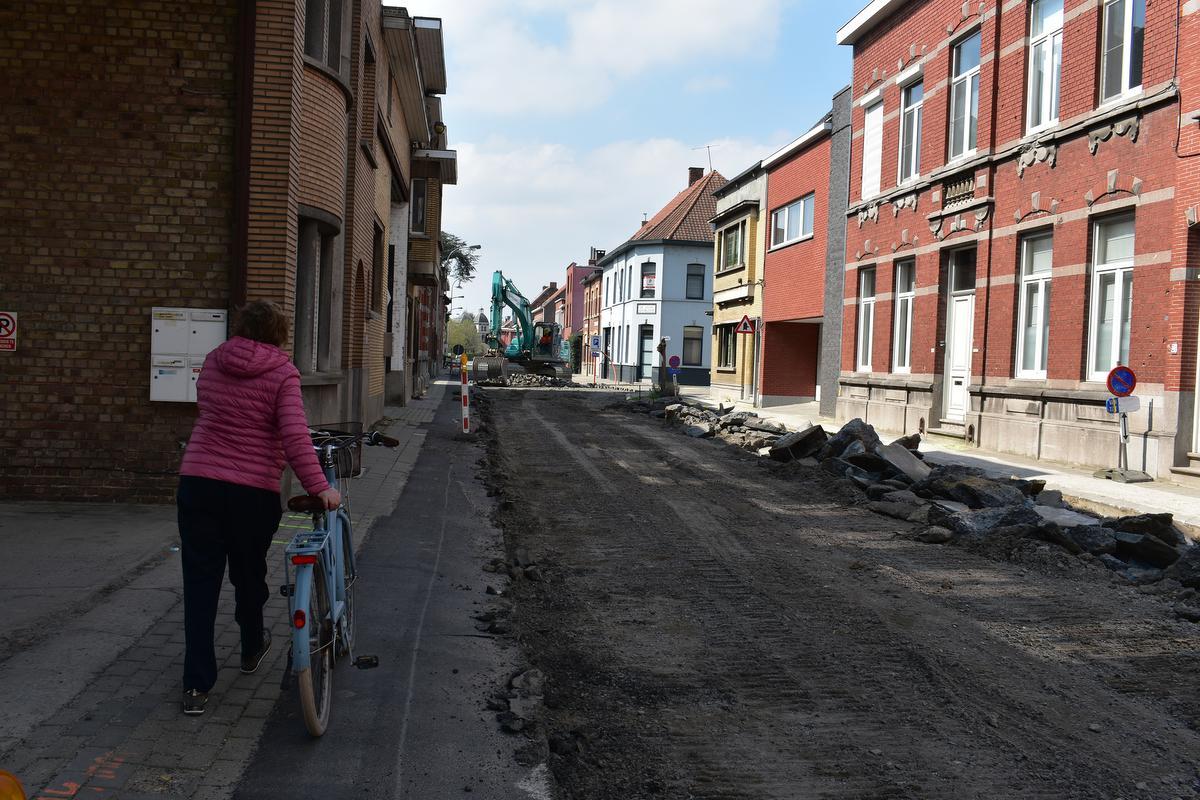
point(1186, 476)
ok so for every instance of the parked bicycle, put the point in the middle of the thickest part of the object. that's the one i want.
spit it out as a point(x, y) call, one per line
point(321, 594)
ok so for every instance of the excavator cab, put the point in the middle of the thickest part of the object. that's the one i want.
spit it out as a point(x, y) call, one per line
point(547, 341)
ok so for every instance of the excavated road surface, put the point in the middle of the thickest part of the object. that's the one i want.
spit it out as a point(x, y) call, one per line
point(712, 629)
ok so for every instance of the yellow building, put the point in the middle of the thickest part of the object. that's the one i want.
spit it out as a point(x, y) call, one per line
point(740, 244)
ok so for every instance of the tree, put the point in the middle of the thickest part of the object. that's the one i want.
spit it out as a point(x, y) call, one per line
point(459, 259)
point(463, 331)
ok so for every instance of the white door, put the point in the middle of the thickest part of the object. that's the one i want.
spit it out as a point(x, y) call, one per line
point(960, 327)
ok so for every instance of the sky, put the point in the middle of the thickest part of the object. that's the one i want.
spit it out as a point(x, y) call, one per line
point(574, 118)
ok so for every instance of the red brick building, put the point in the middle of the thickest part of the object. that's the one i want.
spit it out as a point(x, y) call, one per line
point(591, 312)
point(226, 155)
point(1023, 194)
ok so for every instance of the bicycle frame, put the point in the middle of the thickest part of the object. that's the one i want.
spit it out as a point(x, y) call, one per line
point(322, 544)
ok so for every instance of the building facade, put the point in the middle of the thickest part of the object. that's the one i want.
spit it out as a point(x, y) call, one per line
point(658, 284)
point(739, 246)
point(804, 263)
point(591, 317)
point(268, 159)
point(1023, 219)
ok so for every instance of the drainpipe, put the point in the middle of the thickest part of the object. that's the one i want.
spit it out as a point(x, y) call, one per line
point(242, 126)
point(991, 176)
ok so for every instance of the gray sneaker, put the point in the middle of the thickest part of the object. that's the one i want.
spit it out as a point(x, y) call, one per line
point(194, 701)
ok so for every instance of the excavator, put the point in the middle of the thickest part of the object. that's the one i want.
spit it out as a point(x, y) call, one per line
point(537, 348)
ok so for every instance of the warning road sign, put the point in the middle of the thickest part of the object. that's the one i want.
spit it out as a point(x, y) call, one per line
point(8, 330)
point(745, 326)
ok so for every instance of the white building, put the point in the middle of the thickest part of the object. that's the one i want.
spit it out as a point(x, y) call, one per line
point(659, 284)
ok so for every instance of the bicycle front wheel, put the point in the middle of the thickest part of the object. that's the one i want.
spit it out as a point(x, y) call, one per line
point(350, 574)
point(316, 682)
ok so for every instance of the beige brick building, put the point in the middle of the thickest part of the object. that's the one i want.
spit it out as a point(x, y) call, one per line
point(193, 156)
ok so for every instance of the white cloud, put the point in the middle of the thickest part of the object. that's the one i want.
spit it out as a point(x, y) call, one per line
point(561, 56)
point(536, 207)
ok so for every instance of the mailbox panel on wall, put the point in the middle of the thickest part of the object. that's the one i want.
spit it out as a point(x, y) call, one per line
point(180, 339)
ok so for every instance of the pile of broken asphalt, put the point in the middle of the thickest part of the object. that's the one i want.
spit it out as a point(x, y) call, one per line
point(957, 505)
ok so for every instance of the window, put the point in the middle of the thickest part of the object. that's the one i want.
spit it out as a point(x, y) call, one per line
point(731, 247)
point(793, 222)
point(1045, 62)
point(872, 150)
point(910, 131)
point(964, 97)
point(626, 351)
point(314, 292)
point(866, 317)
point(1121, 48)
point(1112, 296)
point(693, 345)
point(902, 334)
point(648, 278)
point(377, 287)
point(1034, 319)
point(695, 282)
point(726, 347)
point(417, 223)
point(323, 23)
point(629, 281)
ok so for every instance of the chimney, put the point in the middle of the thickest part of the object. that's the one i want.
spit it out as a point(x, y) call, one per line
point(695, 174)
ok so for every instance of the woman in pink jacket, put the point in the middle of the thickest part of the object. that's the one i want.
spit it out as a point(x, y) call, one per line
point(251, 421)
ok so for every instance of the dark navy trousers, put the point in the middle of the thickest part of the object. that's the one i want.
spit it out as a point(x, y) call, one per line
point(222, 522)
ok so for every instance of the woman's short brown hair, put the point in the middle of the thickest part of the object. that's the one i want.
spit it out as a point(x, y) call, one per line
point(262, 321)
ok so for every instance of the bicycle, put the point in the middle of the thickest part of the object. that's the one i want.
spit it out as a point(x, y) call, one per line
point(321, 597)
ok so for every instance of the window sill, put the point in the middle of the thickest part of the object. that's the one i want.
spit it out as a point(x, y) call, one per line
point(729, 270)
point(727, 370)
point(786, 245)
point(1124, 97)
point(418, 234)
point(321, 378)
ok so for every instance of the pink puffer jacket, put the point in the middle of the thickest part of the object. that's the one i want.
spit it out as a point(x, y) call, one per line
point(250, 416)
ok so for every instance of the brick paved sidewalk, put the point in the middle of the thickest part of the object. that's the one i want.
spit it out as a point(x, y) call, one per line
point(124, 736)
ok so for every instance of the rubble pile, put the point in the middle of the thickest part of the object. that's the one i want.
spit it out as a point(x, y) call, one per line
point(525, 380)
point(742, 429)
point(954, 504)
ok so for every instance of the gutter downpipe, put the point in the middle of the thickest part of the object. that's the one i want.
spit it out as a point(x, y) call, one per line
point(991, 173)
point(243, 128)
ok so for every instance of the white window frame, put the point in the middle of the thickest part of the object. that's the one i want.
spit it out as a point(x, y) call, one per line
point(805, 207)
point(902, 362)
point(1119, 269)
point(1050, 42)
point(872, 169)
point(1127, 88)
point(914, 147)
point(866, 321)
point(971, 79)
point(1042, 283)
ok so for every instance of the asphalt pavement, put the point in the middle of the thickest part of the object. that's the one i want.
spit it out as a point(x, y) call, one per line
point(416, 726)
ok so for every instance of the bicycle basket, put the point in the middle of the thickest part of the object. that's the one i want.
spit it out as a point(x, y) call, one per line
point(347, 457)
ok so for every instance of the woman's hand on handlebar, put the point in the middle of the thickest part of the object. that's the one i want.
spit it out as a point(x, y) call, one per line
point(332, 498)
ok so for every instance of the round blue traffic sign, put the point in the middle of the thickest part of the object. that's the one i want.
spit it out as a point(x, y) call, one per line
point(1121, 381)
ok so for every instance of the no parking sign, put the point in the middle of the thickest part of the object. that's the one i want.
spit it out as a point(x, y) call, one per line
point(8, 330)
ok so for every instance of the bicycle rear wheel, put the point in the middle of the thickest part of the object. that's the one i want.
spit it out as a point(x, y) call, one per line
point(316, 682)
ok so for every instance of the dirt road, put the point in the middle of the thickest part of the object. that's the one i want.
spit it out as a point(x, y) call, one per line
point(713, 629)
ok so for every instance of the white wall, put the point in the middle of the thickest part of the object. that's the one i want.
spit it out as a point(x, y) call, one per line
point(668, 311)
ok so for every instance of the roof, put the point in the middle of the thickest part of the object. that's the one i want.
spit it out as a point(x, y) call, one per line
point(684, 219)
point(686, 216)
point(742, 177)
point(869, 17)
point(813, 134)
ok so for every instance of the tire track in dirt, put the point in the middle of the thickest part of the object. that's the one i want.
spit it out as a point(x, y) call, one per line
point(723, 633)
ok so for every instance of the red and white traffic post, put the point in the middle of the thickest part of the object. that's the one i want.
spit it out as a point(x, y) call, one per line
point(466, 396)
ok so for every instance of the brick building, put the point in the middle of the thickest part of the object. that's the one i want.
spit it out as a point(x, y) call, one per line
point(224, 156)
point(802, 299)
point(1023, 187)
point(591, 313)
